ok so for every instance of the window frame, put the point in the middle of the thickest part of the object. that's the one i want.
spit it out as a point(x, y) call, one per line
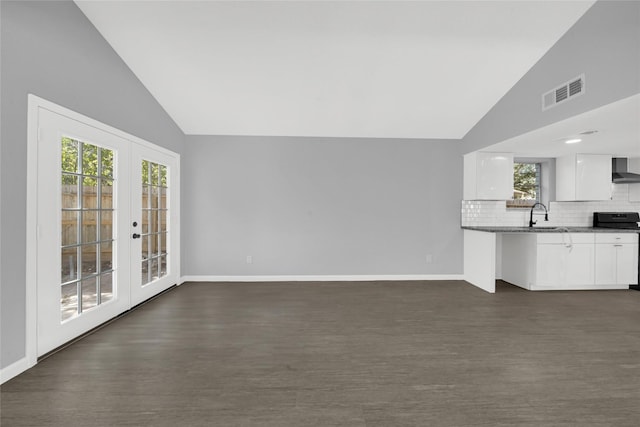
point(545, 181)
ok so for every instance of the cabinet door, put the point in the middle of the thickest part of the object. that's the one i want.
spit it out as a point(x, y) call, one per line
point(580, 270)
point(593, 177)
point(627, 264)
point(561, 266)
point(583, 177)
point(488, 176)
point(550, 268)
point(494, 176)
point(616, 264)
point(606, 264)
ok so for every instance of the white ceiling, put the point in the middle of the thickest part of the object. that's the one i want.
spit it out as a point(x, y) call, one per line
point(618, 134)
point(398, 69)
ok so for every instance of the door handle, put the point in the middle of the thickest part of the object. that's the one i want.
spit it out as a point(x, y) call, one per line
point(136, 236)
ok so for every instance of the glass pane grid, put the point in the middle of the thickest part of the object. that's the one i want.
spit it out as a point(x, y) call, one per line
point(75, 245)
point(154, 214)
point(87, 223)
point(105, 271)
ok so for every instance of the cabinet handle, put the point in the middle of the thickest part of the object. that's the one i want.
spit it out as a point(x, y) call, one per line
point(617, 246)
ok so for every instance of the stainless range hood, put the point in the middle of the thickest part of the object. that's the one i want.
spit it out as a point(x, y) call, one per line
point(620, 174)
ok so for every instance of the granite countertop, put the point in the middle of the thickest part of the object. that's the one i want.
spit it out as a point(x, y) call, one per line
point(553, 229)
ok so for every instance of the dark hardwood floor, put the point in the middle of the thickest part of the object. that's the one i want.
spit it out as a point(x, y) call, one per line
point(346, 354)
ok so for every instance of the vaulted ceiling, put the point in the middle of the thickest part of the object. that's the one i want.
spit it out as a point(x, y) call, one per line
point(394, 69)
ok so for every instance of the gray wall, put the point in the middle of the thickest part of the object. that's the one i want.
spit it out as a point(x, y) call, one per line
point(51, 50)
point(321, 206)
point(604, 45)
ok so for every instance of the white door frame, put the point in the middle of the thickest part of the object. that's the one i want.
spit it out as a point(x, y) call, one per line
point(34, 104)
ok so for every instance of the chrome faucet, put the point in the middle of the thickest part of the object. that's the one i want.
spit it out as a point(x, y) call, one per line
point(546, 214)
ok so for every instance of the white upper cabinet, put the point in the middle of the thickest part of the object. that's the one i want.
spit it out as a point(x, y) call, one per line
point(583, 177)
point(488, 176)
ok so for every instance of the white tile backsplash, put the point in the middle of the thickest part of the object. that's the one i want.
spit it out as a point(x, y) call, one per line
point(574, 214)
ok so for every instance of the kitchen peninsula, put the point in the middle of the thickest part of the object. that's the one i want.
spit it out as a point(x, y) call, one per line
point(551, 258)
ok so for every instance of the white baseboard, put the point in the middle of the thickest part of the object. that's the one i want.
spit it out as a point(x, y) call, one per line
point(14, 369)
point(323, 278)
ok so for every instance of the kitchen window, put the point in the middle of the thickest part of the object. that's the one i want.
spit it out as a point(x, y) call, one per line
point(531, 182)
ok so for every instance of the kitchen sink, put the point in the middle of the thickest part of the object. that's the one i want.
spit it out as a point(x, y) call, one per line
point(563, 229)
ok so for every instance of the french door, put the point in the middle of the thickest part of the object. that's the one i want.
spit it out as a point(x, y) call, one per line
point(154, 206)
point(107, 233)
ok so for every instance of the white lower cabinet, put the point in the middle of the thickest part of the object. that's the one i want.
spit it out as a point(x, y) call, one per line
point(562, 261)
point(561, 266)
point(616, 259)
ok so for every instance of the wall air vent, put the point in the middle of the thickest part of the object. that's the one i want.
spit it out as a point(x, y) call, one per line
point(563, 93)
point(575, 87)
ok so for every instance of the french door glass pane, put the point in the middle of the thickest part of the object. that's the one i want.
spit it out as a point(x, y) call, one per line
point(163, 243)
point(106, 159)
point(145, 220)
point(87, 239)
point(154, 197)
point(163, 198)
point(154, 181)
point(89, 260)
point(89, 159)
point(163, 176)
point(69, 155)
point(106, 287)
point(145, 272)
point(69, 300)
point(106, 225)
point(154, 174)
point(69, 229)
point(89, 293)
point(69, 191)
point(163, 265)
point(163, 221)
point(106, 193)
point(106, 256)
point(88, 231)
point(89, 193)
point(153, 268)
point(69, 264)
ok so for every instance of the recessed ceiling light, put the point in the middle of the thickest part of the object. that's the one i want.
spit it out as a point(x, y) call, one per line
point(572, 141)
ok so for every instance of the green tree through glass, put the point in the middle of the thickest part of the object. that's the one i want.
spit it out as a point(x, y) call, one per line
point(525, 180)
point(95, 161)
